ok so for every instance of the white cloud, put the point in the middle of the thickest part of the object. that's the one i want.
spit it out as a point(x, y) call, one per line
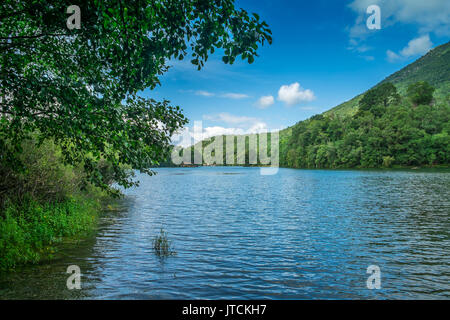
point(235, 96)
point(392, 56)
point(362, 49)
point(430, 16)
point(218, 131)
point(415, 47)
point(238, 125)
point(209, 132)
point(358, 30)
point(418, 46)
point(243, 125)
point(265, 102)
point(293, 94)
point(204, 93)
point(231, 119)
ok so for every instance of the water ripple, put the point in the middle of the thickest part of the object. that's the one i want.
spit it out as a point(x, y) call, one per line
point(296, 235)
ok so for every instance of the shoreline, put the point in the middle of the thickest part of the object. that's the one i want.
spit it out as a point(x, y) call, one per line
point(32, 233)
point(393, 168)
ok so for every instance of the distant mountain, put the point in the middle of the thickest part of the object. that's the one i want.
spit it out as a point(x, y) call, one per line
point(434, 67)
point(399, 134)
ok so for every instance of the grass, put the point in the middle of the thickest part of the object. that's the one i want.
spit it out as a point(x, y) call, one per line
point(162, 246)
point(30, 231)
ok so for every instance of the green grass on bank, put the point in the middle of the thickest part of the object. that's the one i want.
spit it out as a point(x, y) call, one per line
point(30, 231)
point(42, 204)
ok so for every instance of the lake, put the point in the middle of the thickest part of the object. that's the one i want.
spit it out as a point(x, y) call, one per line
point(299, 234)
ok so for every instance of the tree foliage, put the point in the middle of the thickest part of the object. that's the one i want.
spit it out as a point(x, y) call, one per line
point(396, 134)
point(384, 94)
point(420, 93)
point(82, 88)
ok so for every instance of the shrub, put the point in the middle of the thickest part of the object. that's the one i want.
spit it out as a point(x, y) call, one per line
point(43, 177)
point(387, 161)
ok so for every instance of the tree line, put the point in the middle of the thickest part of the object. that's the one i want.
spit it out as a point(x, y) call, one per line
point(387, 130)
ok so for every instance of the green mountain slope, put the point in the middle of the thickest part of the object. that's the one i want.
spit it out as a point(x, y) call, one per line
point(393, 133)
point(434, 67)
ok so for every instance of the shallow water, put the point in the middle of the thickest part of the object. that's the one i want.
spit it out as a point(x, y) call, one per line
point(299, 234)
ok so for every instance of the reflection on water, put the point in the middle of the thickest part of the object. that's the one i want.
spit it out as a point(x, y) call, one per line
point(295, 235)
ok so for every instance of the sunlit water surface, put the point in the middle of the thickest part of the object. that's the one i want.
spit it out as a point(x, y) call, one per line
point(298, 234)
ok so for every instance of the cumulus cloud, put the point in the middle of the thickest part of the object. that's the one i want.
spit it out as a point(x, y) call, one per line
point(293, 94)
point(392, 56)
point(415, 47)
point(265, 102)
point(418, 46)
point(239, 125)
point(209, 132)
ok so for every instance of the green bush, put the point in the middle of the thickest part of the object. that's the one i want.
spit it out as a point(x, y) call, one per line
point(387, 161)
point(44, 175)
point(29, 231)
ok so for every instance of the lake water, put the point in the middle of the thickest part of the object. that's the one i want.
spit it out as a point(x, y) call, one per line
point(299, 234)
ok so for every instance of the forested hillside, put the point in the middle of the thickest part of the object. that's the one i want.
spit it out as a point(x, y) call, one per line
point(396, 134)
point(432, 67)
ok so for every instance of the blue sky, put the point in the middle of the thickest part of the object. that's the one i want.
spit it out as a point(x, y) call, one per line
point(322, 55)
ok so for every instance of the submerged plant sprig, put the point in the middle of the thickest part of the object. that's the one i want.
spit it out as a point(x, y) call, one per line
point(162, 246)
